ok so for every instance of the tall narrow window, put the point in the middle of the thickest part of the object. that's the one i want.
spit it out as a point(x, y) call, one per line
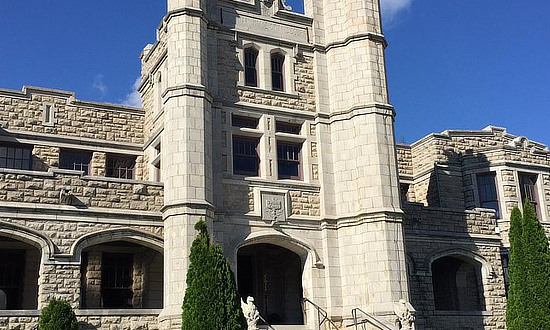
point(75, 160)
point(157, 169)
point(277, 64)
point(119, 166)
point(250, 71)
point(18, 157)
point(117, 280)
point(12, 272)
point(528, 188)
point(288, 160)
point(245, 156)
point(488, 197)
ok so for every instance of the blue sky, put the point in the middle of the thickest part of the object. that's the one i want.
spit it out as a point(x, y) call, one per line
point(461, 64)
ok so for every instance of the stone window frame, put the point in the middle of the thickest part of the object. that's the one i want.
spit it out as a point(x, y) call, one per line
point(24, 158)
point(265, 53)
point(251, 50)
point(286, 138)
point(155, 164)
point(48, 114)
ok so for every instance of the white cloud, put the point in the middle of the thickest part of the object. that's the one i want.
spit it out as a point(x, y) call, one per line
point(99, 84)
point(390, 8)
point(133, 98)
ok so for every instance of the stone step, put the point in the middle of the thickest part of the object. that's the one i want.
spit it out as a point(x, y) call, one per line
point(284, 327)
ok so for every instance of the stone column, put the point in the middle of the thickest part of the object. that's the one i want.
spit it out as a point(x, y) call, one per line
point(359, 167)
point(186, 147)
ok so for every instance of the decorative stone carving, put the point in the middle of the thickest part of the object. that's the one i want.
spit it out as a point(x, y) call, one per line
point(273, 207)
point(65, 196)
point(405, 313)
point(250, 313)
point(285, 6)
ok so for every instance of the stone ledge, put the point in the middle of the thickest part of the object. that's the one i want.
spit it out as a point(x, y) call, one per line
point(117, 312)
point(463, 313)
point(20, 313)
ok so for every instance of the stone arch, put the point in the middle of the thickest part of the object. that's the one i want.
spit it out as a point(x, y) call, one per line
point(299, 246)
point(117, 234)
point(458, 278)
point(23, 252)
point(487, 269)
point(29, 236)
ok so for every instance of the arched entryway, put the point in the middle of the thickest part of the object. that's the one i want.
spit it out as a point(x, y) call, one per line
point(273, 276)
point(19, 269)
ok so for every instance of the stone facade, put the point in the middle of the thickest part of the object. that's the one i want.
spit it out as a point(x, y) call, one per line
point(275, 128)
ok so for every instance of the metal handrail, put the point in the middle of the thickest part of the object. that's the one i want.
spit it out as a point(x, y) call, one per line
point(321, 314)
point(269, 326)
point(368, 319)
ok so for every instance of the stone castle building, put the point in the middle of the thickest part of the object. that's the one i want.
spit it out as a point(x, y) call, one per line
point(274, 127)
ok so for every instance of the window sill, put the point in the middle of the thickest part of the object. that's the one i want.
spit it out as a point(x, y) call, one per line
point(26, 172)
point(117, 312)
point(269, 91)
point(463, 313)
point(20, 313)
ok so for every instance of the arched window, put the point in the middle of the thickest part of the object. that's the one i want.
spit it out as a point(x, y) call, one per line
point(457, 284)
point(277, 65)
point(250, 67)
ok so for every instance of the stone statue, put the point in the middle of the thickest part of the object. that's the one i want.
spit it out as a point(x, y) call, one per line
point(405, 315)
point(250, 313)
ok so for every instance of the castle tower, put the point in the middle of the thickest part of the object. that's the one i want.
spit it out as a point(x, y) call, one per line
point(275, 127)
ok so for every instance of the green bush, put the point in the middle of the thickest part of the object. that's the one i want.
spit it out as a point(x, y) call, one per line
point(211, 299)
point(529, 295)
point(58, 315)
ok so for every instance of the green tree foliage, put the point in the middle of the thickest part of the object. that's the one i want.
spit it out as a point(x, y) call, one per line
point(529, 273)
point(211, 300)
point(58, 315)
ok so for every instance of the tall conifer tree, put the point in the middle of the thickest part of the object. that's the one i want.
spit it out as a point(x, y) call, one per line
point(211, 300)
point(529, 273)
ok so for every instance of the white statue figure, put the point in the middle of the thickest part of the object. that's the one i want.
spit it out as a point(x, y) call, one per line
point(250, 313)
point(405, 315)
point(285, 6)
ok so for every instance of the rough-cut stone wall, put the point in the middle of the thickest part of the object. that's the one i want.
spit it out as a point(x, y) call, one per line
point(238, 198)
point(45, 157)
point(404, 159)
point(305, 203)
point(98, 164)
point(421, 218)
point(22, 112)
point(88, 322)
point(87, 192)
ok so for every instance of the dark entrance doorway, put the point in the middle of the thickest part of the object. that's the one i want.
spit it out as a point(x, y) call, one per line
point(273, 276)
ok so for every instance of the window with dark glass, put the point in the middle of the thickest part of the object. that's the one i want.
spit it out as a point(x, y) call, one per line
point(18, 157)
point(244, 122)
point(12, 271)
point(250, 71)
point(119, 166)
point(404, 190)
point(75, 160)
point(245, 156)
point(528, 188)
point(117, 280)
point(488, 197)
point(289, 128)
point(288, 160)
point(277, 61)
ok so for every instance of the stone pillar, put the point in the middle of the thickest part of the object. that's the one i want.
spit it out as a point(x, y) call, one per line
point(186, 147)
point(359, 169)
point(93, 280)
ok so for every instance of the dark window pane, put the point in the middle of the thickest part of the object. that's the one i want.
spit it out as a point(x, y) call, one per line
point(488, 197)
point(277, 72)
point(75, 160)
point(288, 128)
point(116, 280)
point(245, 156)
point(250, 72)
point(121, 167)
point(528, 187)
point(12, 271)
point(288, 160)
point(17, 157)
point(246, 122)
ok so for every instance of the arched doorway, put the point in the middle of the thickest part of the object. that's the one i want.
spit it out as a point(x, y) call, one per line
point(19, 269)
point(457, 284)
point(273, 276)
